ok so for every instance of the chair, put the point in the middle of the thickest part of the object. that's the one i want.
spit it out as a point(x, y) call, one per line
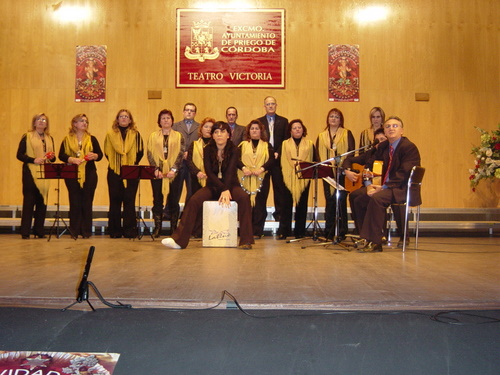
point(413, 199)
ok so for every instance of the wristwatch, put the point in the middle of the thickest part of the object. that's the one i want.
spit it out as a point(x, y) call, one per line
point(173, 170)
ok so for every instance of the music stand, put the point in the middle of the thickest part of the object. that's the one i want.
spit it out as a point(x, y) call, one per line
point(338, 187)
point(313, 171)
point(58, 171)
point(139, 172)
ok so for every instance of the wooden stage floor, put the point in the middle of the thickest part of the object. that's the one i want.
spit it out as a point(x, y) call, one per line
point(450, 273)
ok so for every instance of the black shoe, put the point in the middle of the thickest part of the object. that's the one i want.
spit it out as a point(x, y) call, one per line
point(258, 236)
point(400, 243)
point(25, 236)
point(281, 237)
point(40, 236)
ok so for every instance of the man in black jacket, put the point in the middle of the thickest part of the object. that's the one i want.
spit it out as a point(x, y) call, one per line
point(369, 203)
point(276, 128)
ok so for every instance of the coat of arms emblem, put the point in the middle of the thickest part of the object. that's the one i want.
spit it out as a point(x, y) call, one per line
point(202, 43)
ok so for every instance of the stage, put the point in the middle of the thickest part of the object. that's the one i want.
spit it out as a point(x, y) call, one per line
point(445, 273)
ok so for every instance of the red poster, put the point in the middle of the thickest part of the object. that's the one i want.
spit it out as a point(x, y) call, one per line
point(90, 85)
point(343, 73)
point(230, 48)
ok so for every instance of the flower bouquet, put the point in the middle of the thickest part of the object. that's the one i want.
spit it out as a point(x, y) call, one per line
point(487, 162)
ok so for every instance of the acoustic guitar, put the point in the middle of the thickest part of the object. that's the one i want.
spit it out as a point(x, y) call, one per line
point(375, 175)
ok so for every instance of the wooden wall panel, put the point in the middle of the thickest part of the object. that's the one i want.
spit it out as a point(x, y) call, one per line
point(449, 50)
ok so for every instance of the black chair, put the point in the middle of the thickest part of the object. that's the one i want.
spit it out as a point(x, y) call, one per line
point(413, 199)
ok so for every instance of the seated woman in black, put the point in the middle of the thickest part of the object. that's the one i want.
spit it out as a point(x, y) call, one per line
point(221, 158)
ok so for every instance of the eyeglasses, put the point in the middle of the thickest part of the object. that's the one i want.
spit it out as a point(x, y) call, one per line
point(190, 110)
point(42, 119)
point(270, 104)
point(387, 126)
point(124, 116)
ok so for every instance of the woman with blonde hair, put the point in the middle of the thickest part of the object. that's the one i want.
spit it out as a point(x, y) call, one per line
point(36, 148)
point(377, 119)
point(123, 145)
point(81, 148)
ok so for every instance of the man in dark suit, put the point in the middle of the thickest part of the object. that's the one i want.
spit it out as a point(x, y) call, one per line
point(277, 130)
point(188, 127)
point(369, 203)
point(237, 131)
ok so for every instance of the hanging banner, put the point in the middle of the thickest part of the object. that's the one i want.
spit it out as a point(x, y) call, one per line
point(230, 48)
point(343, 73)
point(90, 83)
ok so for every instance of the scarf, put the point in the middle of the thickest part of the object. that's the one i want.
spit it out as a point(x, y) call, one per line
point(253, 161)
point(304, 152)
point(71, 148)
point(198, 146)
point(122, 152)
point(34, 149)
point(324, 147)
point(156, 155)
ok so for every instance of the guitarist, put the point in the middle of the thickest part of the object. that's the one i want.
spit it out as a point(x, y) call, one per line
point(355, 174)
point(369, 203)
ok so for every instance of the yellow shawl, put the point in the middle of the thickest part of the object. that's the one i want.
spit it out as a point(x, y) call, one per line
point(156, 155)
point(304, 152)
point(71, 148)
point(120, 152)
point(198, 146)
point(34, 149)
point(253, 161)
point(324, 146)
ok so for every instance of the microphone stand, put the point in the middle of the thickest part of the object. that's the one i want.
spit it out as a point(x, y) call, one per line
point(338, 188)
point(83, 288)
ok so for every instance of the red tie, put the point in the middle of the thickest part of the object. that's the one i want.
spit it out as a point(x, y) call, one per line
point(391, 153)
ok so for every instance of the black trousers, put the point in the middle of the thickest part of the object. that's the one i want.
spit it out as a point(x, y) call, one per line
point(33, 206)
point(331, 210)
point(279, 188)
point(259, 211)
point(80, 204)
point(183, 174)
point(285, 228)
point(118, 195)
point(158, 198)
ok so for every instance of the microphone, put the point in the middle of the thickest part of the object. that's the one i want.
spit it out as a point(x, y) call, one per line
point(372, 145)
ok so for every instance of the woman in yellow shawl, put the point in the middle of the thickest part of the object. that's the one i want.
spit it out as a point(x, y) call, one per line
point(377, 119)
point(333, 141)
point(295, 148)
point(257, 156)
point(82, 149)
point(36, 148)
point(197, 166)
point(165, 150)
point(122, 146)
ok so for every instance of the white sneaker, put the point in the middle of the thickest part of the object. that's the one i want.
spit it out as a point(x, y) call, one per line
point(169, 242)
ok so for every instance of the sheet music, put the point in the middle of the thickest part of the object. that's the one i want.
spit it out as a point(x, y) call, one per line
point(333, 183)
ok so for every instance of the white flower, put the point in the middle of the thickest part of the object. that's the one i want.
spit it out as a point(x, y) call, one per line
point(489, 152)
